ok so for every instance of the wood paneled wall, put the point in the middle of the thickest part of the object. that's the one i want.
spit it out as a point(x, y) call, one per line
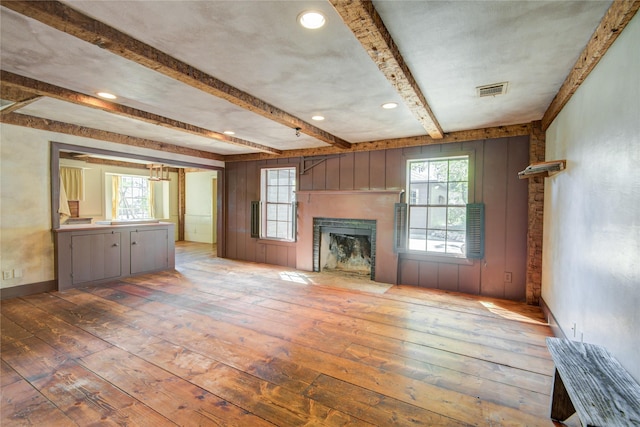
point(495, 183)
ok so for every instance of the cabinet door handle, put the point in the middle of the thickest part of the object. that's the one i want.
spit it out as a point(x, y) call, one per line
point(115, 245)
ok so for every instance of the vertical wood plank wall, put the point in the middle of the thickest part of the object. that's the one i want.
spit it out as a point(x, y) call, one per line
point(495, 183)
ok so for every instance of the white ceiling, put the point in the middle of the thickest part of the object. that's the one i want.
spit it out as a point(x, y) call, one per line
point(451, 47)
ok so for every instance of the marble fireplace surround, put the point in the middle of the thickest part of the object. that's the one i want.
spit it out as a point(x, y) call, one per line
point(375, 205)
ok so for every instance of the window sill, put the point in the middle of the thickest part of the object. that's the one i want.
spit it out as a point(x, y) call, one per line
point(431, 257)
point(277, 242)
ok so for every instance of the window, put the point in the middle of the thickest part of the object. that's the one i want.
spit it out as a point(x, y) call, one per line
point(278, 203)
point(131, 197)
point(438, 195)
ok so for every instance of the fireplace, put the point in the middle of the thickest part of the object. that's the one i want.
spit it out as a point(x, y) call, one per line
point(361, 212)
point(347, 245)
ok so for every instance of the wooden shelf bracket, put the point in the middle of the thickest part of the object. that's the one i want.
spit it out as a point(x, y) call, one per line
point(315, 161)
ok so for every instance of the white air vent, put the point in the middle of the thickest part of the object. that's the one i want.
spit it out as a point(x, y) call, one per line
point(492, 90)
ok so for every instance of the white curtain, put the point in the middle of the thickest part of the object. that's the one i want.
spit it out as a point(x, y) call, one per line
point(63, 208)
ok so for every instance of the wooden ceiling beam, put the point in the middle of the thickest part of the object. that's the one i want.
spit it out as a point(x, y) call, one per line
point(85, 132)
point(99, 161)
point(9, 93)
point(64, 18)
point(386, 144)
point(366, 24)
point(87, 158)
point(614, 21)
point(17, 82)
point(19, 104)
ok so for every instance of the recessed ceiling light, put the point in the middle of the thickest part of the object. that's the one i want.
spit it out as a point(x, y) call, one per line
point(389, 105)
point(106, 95)
point(317, 118)
point(229, 132)
point(311, 19)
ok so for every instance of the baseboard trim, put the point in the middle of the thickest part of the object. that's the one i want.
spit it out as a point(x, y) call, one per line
point(29, 289)
point(551, 320)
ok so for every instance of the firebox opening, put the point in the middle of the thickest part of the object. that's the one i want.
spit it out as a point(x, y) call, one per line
point(347, 253)
point(345, 246)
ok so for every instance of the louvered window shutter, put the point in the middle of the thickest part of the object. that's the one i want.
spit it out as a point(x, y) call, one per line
point(255, 219)
point(475, 231)
point(400, 226)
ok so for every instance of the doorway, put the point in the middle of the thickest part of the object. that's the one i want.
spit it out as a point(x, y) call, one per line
point(201, 216)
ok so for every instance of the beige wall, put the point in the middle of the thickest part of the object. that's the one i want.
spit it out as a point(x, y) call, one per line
point(26, 240)
point(591, 250)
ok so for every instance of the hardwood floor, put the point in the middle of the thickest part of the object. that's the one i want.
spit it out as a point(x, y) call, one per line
point(220, 342)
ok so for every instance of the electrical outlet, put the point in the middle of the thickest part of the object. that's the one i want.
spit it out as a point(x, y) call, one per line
point(17, 272)
point(508, 277)
point(6, 275)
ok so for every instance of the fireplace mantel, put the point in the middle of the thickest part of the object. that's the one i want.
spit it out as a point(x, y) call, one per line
point(374, 204)
point(349, 192)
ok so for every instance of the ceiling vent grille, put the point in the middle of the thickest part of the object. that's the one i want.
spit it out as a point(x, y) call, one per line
point(492, 89)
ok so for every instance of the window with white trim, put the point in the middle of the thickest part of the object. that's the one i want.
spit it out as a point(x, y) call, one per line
point(278, 203)
point(133, 197)
point(438, 190)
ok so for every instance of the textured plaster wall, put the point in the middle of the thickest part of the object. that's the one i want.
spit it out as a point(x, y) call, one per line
point(591, 249)
point(26, 241)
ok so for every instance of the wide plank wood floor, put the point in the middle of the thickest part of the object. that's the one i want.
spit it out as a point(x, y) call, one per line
point(220, 342)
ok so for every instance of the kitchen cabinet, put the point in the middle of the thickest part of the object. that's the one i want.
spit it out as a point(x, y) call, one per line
point(149, 250)
point(91, 254)
point(95, 257)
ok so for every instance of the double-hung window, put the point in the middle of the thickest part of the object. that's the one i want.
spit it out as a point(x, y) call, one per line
point(437, 198)
point(277, 205)
point(132, 197)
